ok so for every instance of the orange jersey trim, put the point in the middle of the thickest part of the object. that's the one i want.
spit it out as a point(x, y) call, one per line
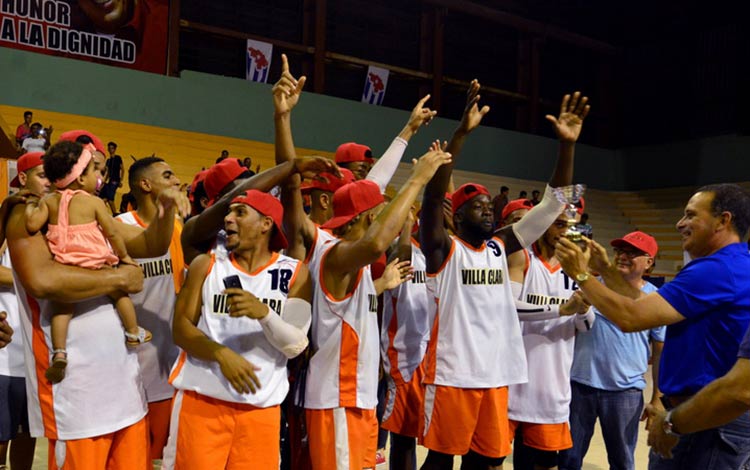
point(41, 360)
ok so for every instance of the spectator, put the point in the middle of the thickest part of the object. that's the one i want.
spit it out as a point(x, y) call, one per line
point(535, 197)
point(498, 204)
point(248, 163)
point(610, 386)
point(115, 171)
point(523, 195)
point(38, 141)
point(224, 156)
point(24, 129)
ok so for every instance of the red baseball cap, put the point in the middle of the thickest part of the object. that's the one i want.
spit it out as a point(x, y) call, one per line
point(220, 175)
point(353, 152)
point(269, 206)
point(72, 136)
point(580, 205)
point(329, 182)
point(200, 176)
point(639, 240)
point(351, 200)
point(26, 162)
point(515, 205)
point(465, 192)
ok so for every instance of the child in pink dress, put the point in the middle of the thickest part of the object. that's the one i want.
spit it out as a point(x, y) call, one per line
point(79, 226)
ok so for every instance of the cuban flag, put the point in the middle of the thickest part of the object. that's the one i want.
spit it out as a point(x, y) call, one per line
point(258, 60)
point(375, 83)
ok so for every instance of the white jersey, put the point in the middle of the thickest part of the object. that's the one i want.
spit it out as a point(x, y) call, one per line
point(549, 347)
point(102, 391)
point(476, 337)
point(408, 312)
point(154, 306)
point(11, 356)
point(242, 335)
point(343, 370)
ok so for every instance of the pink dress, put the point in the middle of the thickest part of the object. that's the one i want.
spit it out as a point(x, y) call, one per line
point(81, 245)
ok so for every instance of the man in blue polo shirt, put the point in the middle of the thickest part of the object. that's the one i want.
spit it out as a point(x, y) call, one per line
point(718, 403)
point(707, 310)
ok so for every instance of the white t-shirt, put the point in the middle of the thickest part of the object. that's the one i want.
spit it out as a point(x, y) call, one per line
point(549, 346)
point(477, 342)
point(154, 306)
point(343, 371)
point(34, 145)
point(102, 391)
point(243, 335)
point(408, 314)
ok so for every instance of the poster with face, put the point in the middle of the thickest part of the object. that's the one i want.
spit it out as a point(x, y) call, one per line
point(123, 33)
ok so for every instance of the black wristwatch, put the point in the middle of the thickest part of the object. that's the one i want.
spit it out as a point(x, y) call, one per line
point(668, 426)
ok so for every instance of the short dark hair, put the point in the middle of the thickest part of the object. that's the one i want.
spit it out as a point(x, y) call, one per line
point(138, 167)
point(536, 191)
point(27, 113)
point(37, 124)
point(733, 199)
point(112, 143)
point(522, 194)
point(60, 159)
point(504, 188)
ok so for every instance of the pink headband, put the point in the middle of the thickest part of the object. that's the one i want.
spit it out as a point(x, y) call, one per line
point(78, 168)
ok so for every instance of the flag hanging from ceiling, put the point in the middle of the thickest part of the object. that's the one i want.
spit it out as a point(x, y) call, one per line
point(258, 60)
point(375, 83)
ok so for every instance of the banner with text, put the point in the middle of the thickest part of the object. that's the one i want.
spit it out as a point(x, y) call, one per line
point(124, 33)
point(375, 83)
point(258, 60)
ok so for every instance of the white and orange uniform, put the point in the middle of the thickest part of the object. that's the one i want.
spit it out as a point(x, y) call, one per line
point(475, 352)
point(244, 431)
point(342, 378)
point(102, 392)
point(154, 306)
point(408, 313)
point(549, 345)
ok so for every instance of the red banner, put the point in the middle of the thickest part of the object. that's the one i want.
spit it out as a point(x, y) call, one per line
point(124, 33)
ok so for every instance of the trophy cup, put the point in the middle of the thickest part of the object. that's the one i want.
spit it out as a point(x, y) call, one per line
point(570, 195)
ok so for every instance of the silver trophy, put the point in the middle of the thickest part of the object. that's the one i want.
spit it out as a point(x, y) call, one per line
point(570, 195)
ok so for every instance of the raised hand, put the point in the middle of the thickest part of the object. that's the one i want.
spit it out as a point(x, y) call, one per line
point(420, 115)
point(428, 164)
point(309, 167)
point(244, 304)
point(436, 146)
point(287, 90)
point(572, 259)
point(238, 371)
point(473, 114)
point(173, 197)
point(573, 110)
point(396, 273)
point(599, 261)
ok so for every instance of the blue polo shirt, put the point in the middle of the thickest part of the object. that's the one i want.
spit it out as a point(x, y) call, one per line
point(608, 359)
point(745, 346)
point(713, 294)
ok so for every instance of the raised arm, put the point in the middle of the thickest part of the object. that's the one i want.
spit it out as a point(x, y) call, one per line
point(567, 126)
point(434, 237)
point(63, 283)
point(348, 257)
point(156, 238)
point(383, 170)
point(107, 223)
point(613, 279)
point(299, 229)
point(200, 231)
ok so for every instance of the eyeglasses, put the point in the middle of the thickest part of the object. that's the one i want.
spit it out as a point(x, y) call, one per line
point(630, 254)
